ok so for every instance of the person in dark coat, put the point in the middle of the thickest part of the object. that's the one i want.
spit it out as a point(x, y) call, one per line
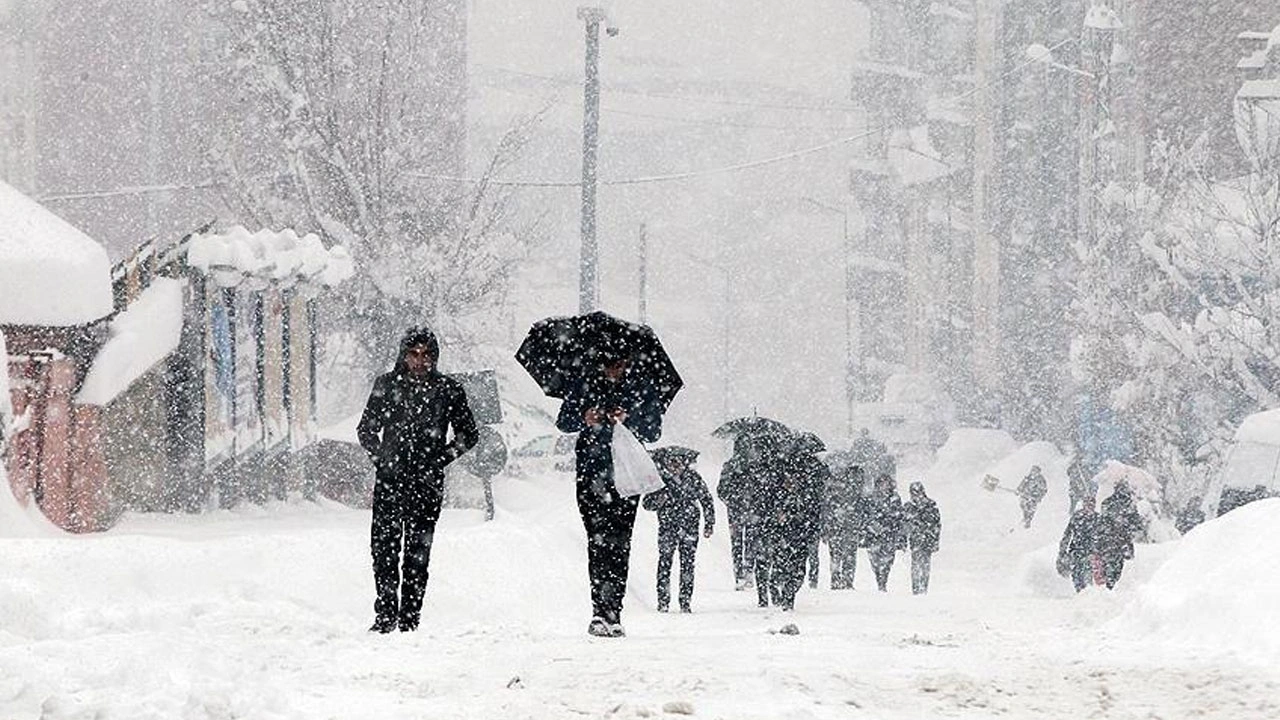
point(1114, 543)
point(680, 505)
point(790, 512)
point(605, 399)
point(1079, 546)
point(1031, 491)
point(404, 430)
point(883, 536)
point(1122, 506)
point(738, 479)
point(844, 521)
point(924, 528)
point(1190, 516)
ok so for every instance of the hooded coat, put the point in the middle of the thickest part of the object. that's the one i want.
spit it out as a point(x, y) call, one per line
point(405, 424)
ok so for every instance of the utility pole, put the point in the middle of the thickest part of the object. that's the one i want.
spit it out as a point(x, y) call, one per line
point(852, 330)
point(986, 246)
point(644, 275)
point(589, 267)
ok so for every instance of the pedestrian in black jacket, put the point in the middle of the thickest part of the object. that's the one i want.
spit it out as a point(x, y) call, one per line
point(924, 528)
point(607, 398)
point(741, 473)
point(883, 536)
point(790, 512)
point(680, 505)
point(846, 513)
point(1031, 491)
point(1078, 550)
point(404, 429)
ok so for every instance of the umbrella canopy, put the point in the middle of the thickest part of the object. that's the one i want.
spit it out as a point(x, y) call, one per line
point(809, 443)
point(561, 352)
point(754, 425)
point(674, 453)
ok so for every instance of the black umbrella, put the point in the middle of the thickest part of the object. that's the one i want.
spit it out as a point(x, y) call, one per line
point(559, 352)
point(809, 443)
point(754, 425)
point(677, 453)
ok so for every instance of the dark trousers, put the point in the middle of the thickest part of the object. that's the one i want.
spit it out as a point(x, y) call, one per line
point(1082, 572)
point(402, 513)
point(608, 521)
point(881, 564)
point(920, 561)
point(741, 544)
point(1111, 569)
point(780, 568)
point(844, 561)
point(1029, 511)
point(813, 568)
point(670, 541)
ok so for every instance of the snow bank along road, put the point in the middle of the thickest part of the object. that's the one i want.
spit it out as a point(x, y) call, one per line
point(262, 613)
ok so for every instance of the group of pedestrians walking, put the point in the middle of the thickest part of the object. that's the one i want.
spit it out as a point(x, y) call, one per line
point(1095, 545)
point(783, 501)
point(614, 377)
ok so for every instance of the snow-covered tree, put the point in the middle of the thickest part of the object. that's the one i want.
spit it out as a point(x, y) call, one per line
point(351, 121)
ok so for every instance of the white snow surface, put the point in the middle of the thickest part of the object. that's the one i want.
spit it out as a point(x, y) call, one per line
point(1262, 427)
point(1221, 587)
point(50, 273)
point(261, 613)
point(141, 336)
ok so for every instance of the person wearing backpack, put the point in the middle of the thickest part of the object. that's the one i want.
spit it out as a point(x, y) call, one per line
point(684, 506)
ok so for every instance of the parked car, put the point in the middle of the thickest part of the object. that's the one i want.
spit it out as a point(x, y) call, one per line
point(1251, 470)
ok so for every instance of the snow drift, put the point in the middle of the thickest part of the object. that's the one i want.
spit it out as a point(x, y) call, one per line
point(1221, 587)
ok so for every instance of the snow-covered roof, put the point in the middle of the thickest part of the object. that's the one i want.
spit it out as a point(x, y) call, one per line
point(268, 256)
point(141, 336)
point(50, 273)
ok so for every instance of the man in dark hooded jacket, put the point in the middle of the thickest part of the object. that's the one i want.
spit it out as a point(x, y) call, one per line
point(680, 505)
point(1031, 491)
point(609, 396)
point(924, 528)
point(404, 429)
point(884, 533)
point(1078, 549)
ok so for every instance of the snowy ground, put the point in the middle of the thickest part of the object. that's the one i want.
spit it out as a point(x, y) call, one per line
point(262, 614)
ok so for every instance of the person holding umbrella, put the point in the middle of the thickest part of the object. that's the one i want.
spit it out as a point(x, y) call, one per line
point(790, 511)
point(403, 428)
point(678, 506)
point(738, 479)
point(610, 374)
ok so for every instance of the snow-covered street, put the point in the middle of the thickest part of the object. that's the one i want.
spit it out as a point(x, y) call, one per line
point(262, 614)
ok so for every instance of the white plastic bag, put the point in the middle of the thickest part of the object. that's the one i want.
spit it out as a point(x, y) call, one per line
point(633, 470)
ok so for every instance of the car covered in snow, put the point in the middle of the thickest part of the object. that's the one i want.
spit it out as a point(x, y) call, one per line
point(1251, 469)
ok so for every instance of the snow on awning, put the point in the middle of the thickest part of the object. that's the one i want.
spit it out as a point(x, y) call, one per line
point(268, 257)
point(51, 274)
point(141, 336)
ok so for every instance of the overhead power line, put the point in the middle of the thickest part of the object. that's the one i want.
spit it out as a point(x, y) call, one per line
point(736, 167)
point(675, 96)
point(677, 118)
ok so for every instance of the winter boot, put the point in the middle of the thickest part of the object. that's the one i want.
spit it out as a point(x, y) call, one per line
point(383, 625)
point(598, 627)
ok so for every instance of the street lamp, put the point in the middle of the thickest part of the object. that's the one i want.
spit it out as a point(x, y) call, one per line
point(589, 266)
point(852, 329)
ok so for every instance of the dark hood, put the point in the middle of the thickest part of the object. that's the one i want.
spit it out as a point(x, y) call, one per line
point(415, 336)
